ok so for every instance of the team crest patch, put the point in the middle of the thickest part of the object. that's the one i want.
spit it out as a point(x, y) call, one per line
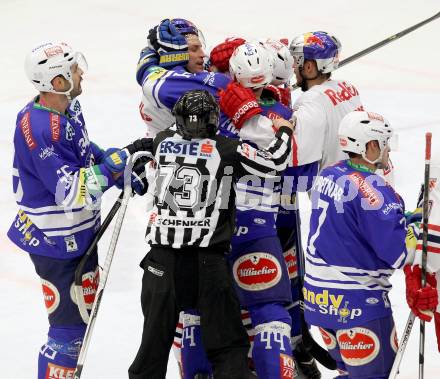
point(328, 338)
point(257, 271)
point(51, 296)
point(358, 346)
point(59, 372)
point(90, 282)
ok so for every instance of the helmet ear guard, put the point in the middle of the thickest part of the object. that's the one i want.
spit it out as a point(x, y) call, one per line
point(197, 114)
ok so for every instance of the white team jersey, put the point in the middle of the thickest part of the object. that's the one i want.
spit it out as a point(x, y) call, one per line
point(318, 113)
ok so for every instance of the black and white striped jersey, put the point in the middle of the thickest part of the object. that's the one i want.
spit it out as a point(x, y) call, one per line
point(194, 195)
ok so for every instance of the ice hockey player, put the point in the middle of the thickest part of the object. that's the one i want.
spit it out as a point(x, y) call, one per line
point(189, 231)
point(357, 238)
point(413, 271)
point(59, 176)
point(246, 68)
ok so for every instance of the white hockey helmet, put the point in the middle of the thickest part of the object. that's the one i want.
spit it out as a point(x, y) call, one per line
point(50, 60)
point(251, 65)
point(359, 127)
point(283, 61)
point(322, 47)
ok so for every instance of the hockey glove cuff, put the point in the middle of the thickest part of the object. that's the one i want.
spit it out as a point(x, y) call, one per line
point(221, 54)
point(238, 103)
point(422, 301)
point(148, 58)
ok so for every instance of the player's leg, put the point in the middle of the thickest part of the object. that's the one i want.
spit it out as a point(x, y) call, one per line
point(329, 338)
point(368, 351)
point(223, 334)
point(58, 356)
point(263, 286)
point(193, 356)
point(160, 315)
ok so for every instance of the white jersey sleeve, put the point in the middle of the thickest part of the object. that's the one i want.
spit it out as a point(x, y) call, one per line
point(259, 130)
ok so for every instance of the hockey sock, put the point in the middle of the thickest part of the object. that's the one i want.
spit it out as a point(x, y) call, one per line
point(272, 353)
point(58, 356)
point(193, 355)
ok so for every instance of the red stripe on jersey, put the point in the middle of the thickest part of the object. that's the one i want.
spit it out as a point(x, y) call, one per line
point(294, 152)
point(431, 249)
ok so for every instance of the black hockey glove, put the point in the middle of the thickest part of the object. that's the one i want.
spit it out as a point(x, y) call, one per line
point(141, 144)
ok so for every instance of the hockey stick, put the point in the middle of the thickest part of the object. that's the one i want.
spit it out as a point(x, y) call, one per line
point(386, 41)
point(402, 346)
point(92, 250)
point(424, 247)
point(106, 268)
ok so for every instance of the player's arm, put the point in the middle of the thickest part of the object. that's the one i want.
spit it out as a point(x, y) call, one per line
point(73, 185)
point(271, 161)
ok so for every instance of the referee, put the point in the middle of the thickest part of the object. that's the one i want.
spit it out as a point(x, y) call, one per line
point(190, 229)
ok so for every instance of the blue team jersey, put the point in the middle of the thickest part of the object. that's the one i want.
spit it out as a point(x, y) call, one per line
point(356, 241)
point(53, 182)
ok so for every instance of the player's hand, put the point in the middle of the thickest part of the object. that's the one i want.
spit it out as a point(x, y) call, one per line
point(238, 103)
point(171, 45)
point(221, 54)
point(422, 301)
point(280, 94)
point(279, 122)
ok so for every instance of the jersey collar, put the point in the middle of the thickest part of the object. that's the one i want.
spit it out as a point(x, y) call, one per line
point(359, 167)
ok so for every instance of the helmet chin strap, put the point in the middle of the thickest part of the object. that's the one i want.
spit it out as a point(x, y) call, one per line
point(67, 92)
point(377, 162)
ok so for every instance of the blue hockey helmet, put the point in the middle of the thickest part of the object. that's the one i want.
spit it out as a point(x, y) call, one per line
point(321, 47)
point(184, 26)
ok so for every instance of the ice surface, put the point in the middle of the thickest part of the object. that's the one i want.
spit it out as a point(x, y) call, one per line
point(401, 81)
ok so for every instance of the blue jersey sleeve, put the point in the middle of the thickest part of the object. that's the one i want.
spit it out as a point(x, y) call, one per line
point(382, 218)
point(55, 160)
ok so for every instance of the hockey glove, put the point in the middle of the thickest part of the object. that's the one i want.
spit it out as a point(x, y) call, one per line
point(414, 217)
point(238, 103)
point(147, 59)
point(221, 54)
point(437, 328)
point(169, 44)
point(422, 301)
point(282, 95)
point(117, 160)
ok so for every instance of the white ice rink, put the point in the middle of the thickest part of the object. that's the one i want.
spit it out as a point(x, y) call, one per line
point(401, 81)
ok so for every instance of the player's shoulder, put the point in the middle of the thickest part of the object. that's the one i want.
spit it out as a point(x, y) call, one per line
point(37, 124)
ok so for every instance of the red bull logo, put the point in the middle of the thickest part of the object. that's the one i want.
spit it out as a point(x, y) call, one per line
point(312, 39)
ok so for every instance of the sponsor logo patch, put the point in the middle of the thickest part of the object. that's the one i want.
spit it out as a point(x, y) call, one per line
point(71, 244)
point(290, 259)
point(287, 367)
point(55, 126)
point(90, 282)
point(358, 346)
point(59, 372)
point(328, 338)
point(257, 271)
point(155, 271)
point(52, 51)
point(51, 296)
point(366, 189)
point(25, 125)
